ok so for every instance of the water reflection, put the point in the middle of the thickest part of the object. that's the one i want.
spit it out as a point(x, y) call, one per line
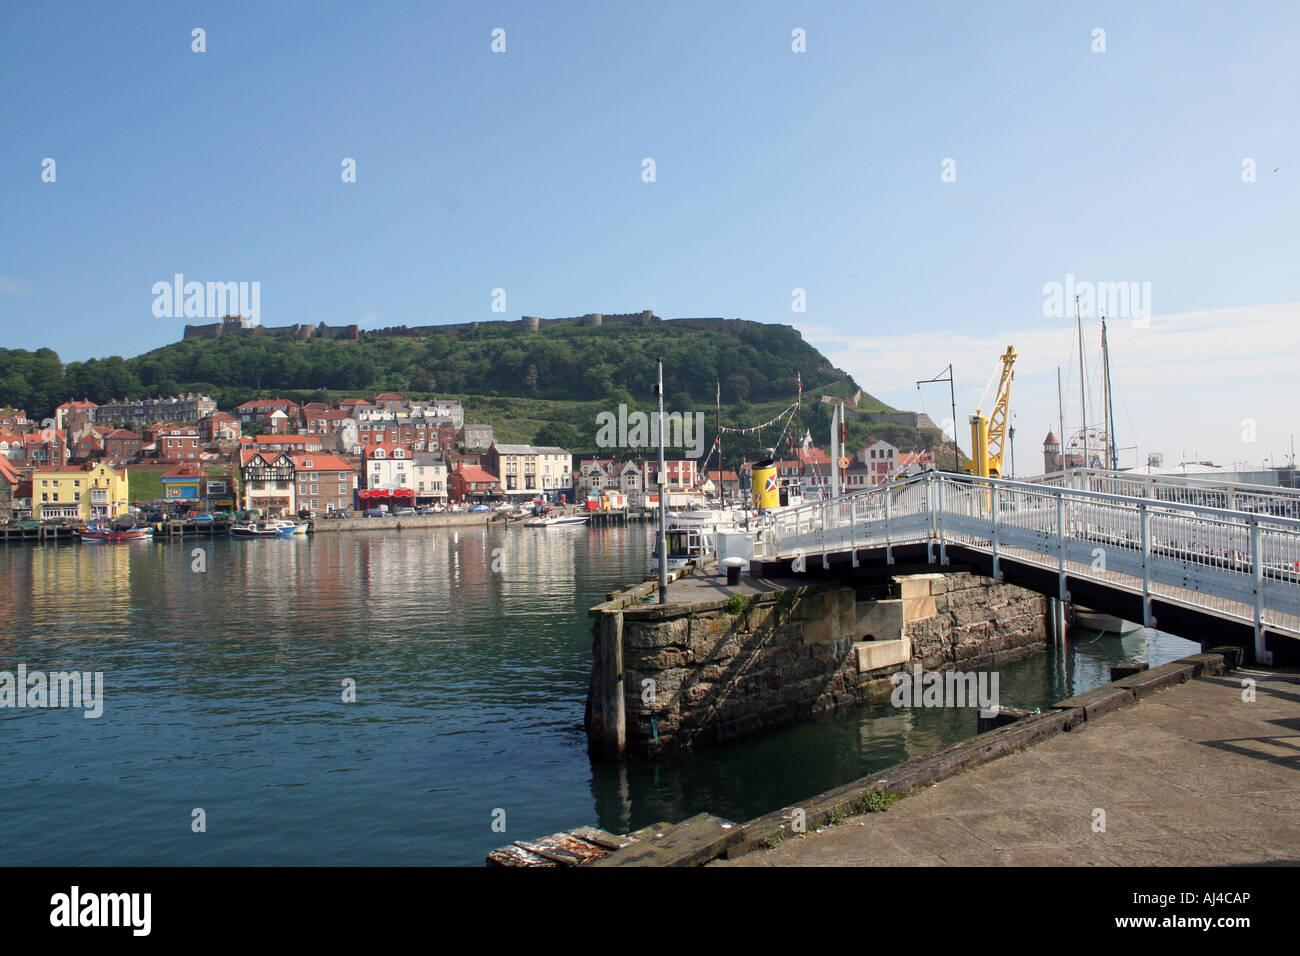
point(223, 690)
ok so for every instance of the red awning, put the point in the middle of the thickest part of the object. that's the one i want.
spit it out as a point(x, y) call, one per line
point(371, 494)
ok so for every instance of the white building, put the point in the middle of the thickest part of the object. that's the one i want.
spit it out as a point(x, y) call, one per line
point(429, 474)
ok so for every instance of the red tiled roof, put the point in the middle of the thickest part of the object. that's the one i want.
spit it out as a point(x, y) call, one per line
point(286, 439)
point(320, 463)
point(475, 473)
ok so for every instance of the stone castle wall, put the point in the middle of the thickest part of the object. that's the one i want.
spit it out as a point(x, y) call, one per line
point(528, 323)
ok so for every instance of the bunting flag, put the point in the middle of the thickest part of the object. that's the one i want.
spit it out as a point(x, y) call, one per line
point(767, 424)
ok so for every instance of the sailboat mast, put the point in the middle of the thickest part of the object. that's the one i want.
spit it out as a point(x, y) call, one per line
point(1112, 454)
point(1060, 413)
point(1105, 395)
point(1083, 401)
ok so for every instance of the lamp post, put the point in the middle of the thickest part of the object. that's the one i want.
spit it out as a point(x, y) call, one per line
point(952, 398)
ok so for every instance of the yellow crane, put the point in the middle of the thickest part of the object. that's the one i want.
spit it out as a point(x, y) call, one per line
point(988, 434)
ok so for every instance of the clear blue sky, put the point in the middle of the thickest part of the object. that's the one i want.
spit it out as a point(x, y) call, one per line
point(522, 170)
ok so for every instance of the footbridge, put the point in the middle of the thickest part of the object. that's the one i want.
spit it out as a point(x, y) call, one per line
point(1206, 560)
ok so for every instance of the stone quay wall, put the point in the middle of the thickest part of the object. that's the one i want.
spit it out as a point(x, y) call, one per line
point(668, 678)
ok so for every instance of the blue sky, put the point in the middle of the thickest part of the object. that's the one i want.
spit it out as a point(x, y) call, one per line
point(775, 170)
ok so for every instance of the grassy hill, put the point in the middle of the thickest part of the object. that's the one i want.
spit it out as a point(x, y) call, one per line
point(525, 384)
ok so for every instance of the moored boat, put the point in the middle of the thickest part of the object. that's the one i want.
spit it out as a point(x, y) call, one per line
point(262, 529)
point(111, 535)
point(554, 520)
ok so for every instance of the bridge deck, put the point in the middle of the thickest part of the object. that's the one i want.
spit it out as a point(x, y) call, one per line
point(1240, 566)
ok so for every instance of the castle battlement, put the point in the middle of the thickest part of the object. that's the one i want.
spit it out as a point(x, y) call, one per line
point(238, 325)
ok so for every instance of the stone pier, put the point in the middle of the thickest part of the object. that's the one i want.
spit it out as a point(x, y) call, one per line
point(718, 662)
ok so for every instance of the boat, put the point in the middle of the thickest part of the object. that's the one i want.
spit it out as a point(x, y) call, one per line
point(110, 535)
point(293, 527)
point(262, 529)
point(692, 536)
point(551, 521)
point(1106, 623)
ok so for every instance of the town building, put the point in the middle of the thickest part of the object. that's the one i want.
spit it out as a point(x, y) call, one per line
point(220, 426)
point(267, 478)
point(325, 483)
point(174, 442)
point(9, 482)
point(121, 444)
point(71, 414)
point(178, 408)
point(472, 484)
point(262, 412)
point(476, 437)
point(526, 471)
point(429, 474)
point(86, 493)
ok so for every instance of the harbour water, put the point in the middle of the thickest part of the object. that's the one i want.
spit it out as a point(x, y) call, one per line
point(470, 651)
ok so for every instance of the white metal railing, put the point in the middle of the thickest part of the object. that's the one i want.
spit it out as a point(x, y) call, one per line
point(1183, 489)
point(1237, 563)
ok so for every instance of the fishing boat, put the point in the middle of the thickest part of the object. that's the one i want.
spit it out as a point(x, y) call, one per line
point(111, 535)
point(262, 529)
point(293, 527)
point(552, 521)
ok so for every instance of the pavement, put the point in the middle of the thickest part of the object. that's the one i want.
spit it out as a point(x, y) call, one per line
point(1191, 776)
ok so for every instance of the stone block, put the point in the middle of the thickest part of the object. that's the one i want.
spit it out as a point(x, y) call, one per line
point(873, 655)
point(919, 608)
point(915, 585)
point(667, 633)
point(880, 620)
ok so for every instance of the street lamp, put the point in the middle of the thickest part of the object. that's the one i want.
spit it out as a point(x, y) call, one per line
point(952, 398)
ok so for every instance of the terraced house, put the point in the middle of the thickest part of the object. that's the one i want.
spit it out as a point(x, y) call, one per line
point(526, 471)
point(87, 492)
point(325, 483)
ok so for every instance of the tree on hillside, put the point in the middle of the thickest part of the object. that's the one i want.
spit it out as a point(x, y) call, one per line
point(559, 435)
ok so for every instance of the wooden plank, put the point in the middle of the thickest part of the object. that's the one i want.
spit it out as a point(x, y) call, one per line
point(601, 838)
point(564, 849)
point(692, 842)
point(516, 856)
point(652, 832)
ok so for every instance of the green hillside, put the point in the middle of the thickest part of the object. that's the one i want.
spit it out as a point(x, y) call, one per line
point(547, 384)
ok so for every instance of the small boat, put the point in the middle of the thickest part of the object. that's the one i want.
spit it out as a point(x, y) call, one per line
point(111, 535)
point(262, 529)
point(293, 527)
point(552, 521)
point(1106, 623)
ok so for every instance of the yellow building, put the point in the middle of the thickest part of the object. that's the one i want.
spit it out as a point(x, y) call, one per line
point(88, 492)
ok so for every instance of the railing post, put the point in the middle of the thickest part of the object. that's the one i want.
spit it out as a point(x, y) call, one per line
point(889, 531)
point(943, 545)
point(1148, 619)
point(930, 511)
point(1262, 656)
point(997, 568)
point(822, 512)
point(853, 531)
point(1060, 546)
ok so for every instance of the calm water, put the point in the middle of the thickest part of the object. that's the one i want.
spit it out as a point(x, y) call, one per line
point(223, 691)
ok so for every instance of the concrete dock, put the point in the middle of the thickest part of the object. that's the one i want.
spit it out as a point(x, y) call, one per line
point(1191, 775)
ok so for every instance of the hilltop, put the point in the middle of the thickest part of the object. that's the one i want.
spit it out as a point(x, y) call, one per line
point(517, 376)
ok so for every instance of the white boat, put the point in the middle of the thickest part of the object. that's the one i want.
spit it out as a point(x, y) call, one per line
point(692, 536)
point(262, 529)
point(1106, 623)
point(555, 520)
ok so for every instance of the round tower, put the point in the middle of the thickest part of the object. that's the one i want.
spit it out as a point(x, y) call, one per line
point(1051, 453)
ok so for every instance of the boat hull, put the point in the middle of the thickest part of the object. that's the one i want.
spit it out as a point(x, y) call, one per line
point(116, 537)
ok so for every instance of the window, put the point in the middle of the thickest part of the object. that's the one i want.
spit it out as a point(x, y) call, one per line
point(315, 489)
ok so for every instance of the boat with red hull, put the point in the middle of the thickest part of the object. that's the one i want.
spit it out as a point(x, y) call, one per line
point(111, 535)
